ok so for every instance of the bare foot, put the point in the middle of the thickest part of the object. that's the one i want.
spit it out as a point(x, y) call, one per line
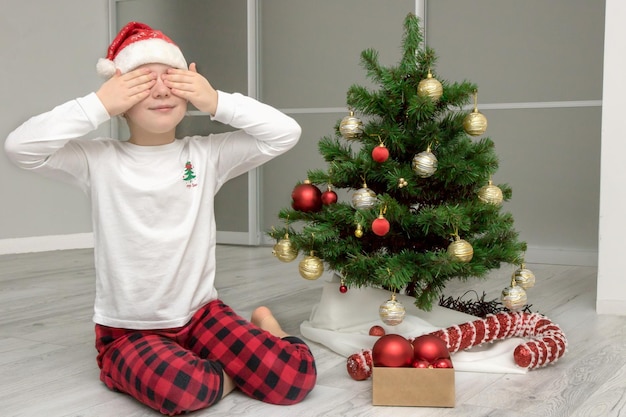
point(263, 318)
point(229, 385)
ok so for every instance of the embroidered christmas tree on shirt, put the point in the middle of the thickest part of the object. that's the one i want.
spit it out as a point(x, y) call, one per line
point(189, 176)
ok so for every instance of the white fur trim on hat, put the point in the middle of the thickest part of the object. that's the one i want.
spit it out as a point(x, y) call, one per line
point(148, 51)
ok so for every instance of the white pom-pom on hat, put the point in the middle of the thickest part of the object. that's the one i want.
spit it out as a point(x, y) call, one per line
point(138, 44)
point(105, 68)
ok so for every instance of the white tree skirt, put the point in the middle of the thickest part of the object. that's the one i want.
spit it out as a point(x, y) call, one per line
point(341, 322)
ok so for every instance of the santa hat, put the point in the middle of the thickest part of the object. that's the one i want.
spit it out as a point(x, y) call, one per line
point(138, 44)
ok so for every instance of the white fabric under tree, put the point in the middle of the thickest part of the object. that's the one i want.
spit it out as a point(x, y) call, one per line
point(341, 322)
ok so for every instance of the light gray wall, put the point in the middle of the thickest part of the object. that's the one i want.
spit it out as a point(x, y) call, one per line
point(528, 54)
point(48, 51)
point(539, 51)
point(540, 54)
point(52, 59)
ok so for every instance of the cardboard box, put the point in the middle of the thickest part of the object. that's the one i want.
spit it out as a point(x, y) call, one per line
point(413, 387)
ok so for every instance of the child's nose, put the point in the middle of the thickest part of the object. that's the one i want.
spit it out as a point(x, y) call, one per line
point(160, 89)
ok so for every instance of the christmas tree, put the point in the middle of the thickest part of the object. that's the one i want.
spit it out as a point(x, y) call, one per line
point(424, 209)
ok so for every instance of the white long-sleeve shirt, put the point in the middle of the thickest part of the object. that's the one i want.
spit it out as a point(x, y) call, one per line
point(152, 206)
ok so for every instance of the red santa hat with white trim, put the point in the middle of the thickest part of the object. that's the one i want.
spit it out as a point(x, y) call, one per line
point(138, 44)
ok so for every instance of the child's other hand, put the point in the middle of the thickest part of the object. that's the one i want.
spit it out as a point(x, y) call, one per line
point(192, 86)
point(121, 92)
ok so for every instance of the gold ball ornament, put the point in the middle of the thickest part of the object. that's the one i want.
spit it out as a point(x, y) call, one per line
point(425, 164)
point(475, 123)
point(523, 277)
point(430, 87)
point(284, 250)
point(358, 232)
point(514, 297)
point(364, 198)
point(311, 267)
point(461, 250)
point(490, 194)
point(351, 127)
point(392, 311)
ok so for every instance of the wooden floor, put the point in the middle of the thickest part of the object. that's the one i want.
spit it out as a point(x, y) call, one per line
point(47, 358)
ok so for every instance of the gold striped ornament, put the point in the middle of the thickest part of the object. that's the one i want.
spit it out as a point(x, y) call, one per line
point(311, 267)
point(430, 87)
point(351, 127)
point(475, 123)
point(364, 198)
point(425, 163)
point(284, 250)
point(514, 297)
point(490, 194)
point(392, 311)
point(523, 277)
point(461, 250)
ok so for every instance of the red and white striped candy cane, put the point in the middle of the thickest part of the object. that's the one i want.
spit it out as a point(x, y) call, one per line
point(546, 345)
point(548, 342)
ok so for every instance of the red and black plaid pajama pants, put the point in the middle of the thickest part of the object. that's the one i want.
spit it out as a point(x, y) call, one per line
point(180, 370)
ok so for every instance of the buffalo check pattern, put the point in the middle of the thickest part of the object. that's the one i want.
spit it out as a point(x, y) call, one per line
point(180, 370)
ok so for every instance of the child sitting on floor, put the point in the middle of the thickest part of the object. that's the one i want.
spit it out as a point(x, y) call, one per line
point(162, 334)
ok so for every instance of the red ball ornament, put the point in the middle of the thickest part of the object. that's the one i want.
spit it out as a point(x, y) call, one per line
point(380, 226)
point(430, 348)
point(377, 331)
point(523, 356)
point(380, 153)
point(329, 197)
point(443, 363)
point(359, 365)
point(306, 197)
point(392, 350)
point(421, 364)
point(343, 289)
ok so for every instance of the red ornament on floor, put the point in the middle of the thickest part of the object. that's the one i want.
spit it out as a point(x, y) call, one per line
point(359, 365)
point(377, 331)
point(392, 350)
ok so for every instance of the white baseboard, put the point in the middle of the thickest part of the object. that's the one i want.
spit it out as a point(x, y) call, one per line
point(85, 240)
point(534, 254)
point(561, 256)
point(46, 243)
point(233, 238)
